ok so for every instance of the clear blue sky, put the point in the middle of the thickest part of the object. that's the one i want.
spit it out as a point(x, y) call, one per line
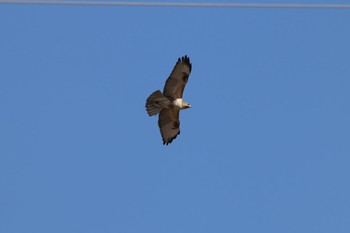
point(265, 148)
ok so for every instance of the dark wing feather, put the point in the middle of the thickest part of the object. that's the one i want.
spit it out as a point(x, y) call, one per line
point(169, 125)
point(175, 84)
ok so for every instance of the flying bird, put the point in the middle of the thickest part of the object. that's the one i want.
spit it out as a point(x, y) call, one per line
point(169, 103)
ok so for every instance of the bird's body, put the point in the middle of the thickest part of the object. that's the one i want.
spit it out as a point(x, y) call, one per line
point(169, 103)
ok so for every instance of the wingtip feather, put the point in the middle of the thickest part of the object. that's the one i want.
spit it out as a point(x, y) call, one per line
point(186, 60)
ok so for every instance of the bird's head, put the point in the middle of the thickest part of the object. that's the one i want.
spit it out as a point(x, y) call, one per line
point(186, 105)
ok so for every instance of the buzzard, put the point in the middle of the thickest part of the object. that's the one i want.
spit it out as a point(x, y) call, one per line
point(169, 103)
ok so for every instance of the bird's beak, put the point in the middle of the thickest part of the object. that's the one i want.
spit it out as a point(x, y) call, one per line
point(190, 106)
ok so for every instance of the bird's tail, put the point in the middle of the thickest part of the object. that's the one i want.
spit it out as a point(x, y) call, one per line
point(156, 102)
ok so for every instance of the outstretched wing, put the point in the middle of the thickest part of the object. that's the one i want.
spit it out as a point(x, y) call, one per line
point(175, 84)
point(169, 125)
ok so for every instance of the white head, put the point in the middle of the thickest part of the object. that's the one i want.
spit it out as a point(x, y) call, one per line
point(180, 104)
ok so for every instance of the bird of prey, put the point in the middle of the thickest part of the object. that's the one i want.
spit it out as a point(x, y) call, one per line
point(169, 103)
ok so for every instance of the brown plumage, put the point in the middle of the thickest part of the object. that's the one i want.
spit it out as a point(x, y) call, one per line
point(169, 103)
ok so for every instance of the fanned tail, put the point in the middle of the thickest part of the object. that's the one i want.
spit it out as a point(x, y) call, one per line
point(156, 102)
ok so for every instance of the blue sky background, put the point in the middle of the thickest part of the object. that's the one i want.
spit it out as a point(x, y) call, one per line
point(265, 147)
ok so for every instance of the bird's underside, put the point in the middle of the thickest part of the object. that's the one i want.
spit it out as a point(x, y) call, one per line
point(169, 103)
